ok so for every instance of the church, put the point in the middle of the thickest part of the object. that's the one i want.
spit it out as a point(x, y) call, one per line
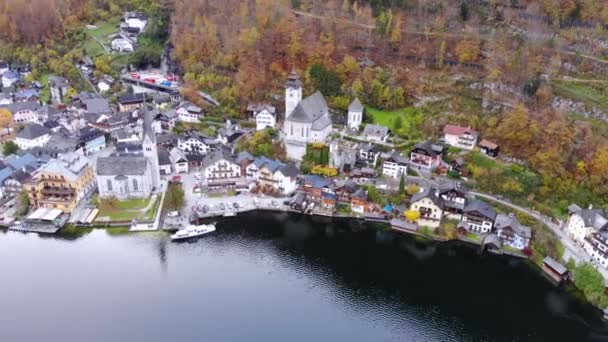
point(306, 120)
point(132, 172)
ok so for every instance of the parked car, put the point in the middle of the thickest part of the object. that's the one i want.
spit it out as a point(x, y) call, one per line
point(173, 214)
point(236, 205)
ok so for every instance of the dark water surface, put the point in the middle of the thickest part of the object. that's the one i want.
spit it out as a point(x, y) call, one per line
point(274, 277)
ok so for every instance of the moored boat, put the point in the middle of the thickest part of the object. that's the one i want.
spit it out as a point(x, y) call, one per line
point(192, 231)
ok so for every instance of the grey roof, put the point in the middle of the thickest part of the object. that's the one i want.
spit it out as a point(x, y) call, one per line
point(310, 109)
point(167, 137)
point(11, 74)
point(70, 165)
point(492, 239)
point(375, 130)
point(58, 81)
point(430, 193)
point(504, 221)
point(96, 105)
point(216, 156)
point(244, 155)
point(19, 106)
point(481, 207)
point(176, 155)
point(449, 185)
point(32, 131)
point(430, 148)
point(121, 165)
point(20, 175)
point(148, 119)
point(573, 208)
point(321, 123)
point(595, 218)
point(163, 157)
point(559, 268)
point(132, 98)
point(290, 170)
point(355, 106)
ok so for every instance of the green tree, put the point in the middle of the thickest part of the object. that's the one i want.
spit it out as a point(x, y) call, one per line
point(398, 124)
point(174, 198)
point(402, 184)
point(324, 80)
point(24, 204)
point(9, 148)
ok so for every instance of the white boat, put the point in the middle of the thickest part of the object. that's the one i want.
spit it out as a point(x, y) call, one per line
point(193, 231)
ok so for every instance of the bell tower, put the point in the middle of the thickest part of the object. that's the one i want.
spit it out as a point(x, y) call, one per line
point(293, 92)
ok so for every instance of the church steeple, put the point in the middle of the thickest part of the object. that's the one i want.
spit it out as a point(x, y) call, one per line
point(293, 92)
point(149, 146)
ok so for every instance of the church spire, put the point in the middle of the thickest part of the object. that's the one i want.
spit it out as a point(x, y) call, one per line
point(148, 131)
point(293, 80)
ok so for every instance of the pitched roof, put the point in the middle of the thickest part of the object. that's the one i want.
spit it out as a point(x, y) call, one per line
point(310, 109)
point(96, 105)
point(487, 144)
point(58, 81)
point(216, 156)
point(163, 157)
point(32, 131)
point(505, 221)
point(18, 162)
point(20, 106)
point(293, 81)
point(355, 106)
point(595, 218)
point(430, 193)
point(449, 185)
point(375, 130)
point(429, 148)
point(481, 207)
point(458, 130)
point(121, 165)
point(131, 98)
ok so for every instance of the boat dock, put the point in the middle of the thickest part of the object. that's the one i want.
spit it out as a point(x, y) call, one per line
point(34, 228)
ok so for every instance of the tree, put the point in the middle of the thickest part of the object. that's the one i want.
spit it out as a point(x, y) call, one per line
point(9, 148)
point(402, 184)
point(24, 204)
point(175, 198)
point(412, 215)
point(398, 124)
point(324, 80)
point(6, 121)
point(412, 189)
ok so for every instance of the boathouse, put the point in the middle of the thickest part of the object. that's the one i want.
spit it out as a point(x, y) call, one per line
point(555, 270)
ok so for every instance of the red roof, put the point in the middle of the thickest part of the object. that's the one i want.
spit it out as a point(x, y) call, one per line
point(458, 130)
point(488, 144)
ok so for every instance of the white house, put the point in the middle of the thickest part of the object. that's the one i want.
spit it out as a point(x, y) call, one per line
point(596, 245)
point(9, 77)
point(136, 20)
point(220, 171)
point(195, 143)
point(123, 44)
point(32, 135)
point(273, 175)
point(478, 217)
point(306, 120)
point(179, 160)
point(24, 111)
point(105, 83)
point(187, 112)
point(454, 196)
point(375, 133)
point(426, 156)
point(265, 117)
point(395, 165)
point(583, 222)
point(355, 115)
point(430, 206)
point(461, 137)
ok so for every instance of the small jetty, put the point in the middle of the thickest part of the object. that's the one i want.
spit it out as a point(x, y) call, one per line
point(404, 226)
point(42, 220)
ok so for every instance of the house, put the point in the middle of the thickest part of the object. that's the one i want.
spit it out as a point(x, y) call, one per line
point(229, 133)
point(13, 185)
point(306, 120)
point(328, 201)
point(511, 232)
point(583, 222)
point(461, 137)
point(458, 165)
point(315, 186)
point(273, 176)
point(61, 183)
point(395, 165)
point(375, 133)
point(355, 115)
point(179, 160)
point(359, 202)
point(265, 116)
point(596, 245)
point(91, 140)
point(555, 270)
point(489, 148)
point(105, 83)
point(164, 121)
point(5, 98)
point(426, 156)
point(136, 20)
point(59, 88)
point(9, 78)
point(26, 95)
point(131, 102)
point(24, 111)
point(167, 140)
point(52, 125)
point(369, 154)
point(164, 162)
point(195, 143)
point(345, 189)
point(454, 196)
point(430, 206)
point(187, 112)
point(32, 135)
point(131, 174)
point(96, 105)
point(478, 217)
point(220, 171)
point(122, 43)
point(47, 112)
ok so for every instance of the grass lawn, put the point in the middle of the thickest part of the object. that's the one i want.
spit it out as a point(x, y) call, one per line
point(151, 213)
point(411, 118)
point(92, 48)
point(123, 210)
point(104, 28)
point(45, 92)
point(473, 237)
point(593, 95)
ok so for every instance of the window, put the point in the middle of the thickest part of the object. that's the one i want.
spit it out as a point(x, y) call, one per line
point(135, 188)
point(109, 185)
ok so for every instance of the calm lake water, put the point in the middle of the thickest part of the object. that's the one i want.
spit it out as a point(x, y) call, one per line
point(277, 277)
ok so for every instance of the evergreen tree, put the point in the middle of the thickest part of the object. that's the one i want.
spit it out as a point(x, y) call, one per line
point(402, 184)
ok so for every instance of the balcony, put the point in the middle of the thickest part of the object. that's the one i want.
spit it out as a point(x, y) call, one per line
point(57, 191)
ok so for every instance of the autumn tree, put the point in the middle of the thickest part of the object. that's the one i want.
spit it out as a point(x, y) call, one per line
point(6, 121)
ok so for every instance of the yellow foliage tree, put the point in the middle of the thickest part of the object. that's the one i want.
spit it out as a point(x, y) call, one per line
point(412, 215)
point(6, 121)
point(324, 170)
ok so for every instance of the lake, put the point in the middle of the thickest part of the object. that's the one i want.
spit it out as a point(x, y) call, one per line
point(277, 277)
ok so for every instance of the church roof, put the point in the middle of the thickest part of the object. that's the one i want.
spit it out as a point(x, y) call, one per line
point(293, 81)
point(121, 165)
point(310, 109)
point(355, 106)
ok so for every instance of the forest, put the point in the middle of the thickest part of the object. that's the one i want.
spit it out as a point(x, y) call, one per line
point(499, 64)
